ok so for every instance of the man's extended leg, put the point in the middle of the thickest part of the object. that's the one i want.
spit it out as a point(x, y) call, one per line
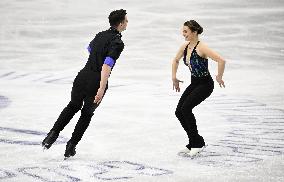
point(86, 115)
point(68, 112)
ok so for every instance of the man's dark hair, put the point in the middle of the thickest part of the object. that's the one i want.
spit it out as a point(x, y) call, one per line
point(116, 17)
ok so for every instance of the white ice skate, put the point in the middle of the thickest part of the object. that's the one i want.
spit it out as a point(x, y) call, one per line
point(195, 151)
point(184, 152)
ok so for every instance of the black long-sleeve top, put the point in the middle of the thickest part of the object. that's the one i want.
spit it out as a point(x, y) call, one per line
point(107, 43)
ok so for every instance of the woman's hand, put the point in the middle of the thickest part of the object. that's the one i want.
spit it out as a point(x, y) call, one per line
point(176, 84)
point(220, 81)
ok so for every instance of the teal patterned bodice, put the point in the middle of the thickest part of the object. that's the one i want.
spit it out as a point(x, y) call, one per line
point(198, 64)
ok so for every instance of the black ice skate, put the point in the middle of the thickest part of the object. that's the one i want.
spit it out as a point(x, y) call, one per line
point(70, 150)
point(49, 139)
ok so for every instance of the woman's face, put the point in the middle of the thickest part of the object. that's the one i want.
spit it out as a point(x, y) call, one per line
point(187, 33)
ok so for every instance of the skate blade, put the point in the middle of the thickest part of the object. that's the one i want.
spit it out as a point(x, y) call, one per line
point(44, 148)
point(198, 153)
point(183, 154)
point(186, 154)
point(65, 158)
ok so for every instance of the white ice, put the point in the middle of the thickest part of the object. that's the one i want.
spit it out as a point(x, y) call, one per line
point(134, 135)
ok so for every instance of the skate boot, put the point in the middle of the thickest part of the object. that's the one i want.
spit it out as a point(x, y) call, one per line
point(70, 150)
point(185, 151)
point(195, 151)
point(49, 139)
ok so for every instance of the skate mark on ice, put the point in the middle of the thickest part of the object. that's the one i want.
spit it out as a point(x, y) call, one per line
point(38, 77)
point(103, 171)
point(132, 167)
point(49, 78)
point(4, 174)
point(7, 74)
point(15, 136)
point(4, 102)
point(258, 132)
point(46, 174)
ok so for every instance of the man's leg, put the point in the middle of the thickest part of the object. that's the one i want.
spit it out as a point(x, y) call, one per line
point(87, 112)
point(68, 112)
point(86, 115)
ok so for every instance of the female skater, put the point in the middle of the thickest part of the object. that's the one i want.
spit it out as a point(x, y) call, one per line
point(195, 55)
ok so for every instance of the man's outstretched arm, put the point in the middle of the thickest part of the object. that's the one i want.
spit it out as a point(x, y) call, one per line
point(106, 69)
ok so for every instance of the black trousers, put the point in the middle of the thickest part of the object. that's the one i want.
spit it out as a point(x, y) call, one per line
point(195, 93)
point(84, 90)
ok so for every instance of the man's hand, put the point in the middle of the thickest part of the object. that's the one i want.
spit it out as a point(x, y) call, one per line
point(99, 96)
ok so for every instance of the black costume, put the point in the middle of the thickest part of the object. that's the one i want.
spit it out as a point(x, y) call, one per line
point(200, 88)
point(85, 86)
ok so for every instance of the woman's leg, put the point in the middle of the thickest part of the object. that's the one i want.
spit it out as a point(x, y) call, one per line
point(195, 97)
point(178, 111)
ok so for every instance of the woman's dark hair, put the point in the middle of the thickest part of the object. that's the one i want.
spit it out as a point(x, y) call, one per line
point(116, 17)
point(194, 26)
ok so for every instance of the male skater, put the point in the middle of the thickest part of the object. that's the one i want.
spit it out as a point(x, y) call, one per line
point(91, 82)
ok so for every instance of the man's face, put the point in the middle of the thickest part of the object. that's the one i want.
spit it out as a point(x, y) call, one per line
point(123, 25)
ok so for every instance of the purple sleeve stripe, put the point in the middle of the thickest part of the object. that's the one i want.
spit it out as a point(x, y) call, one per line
point(89, 49)
point(109, 61)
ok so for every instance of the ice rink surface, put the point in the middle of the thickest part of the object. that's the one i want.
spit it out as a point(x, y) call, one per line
point(134, 135)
